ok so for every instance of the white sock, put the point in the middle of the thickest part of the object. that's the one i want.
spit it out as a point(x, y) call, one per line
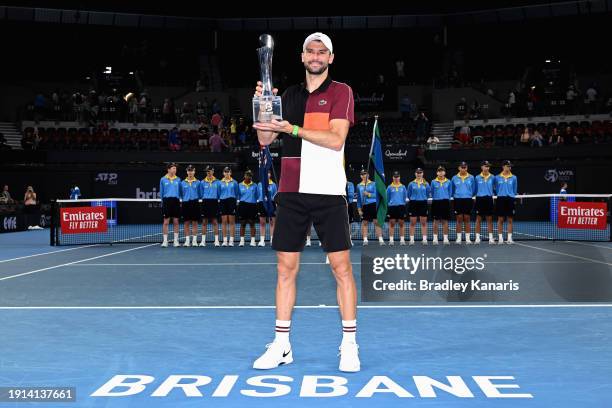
point(425, 238)
point(467, 237)
point(435, 237)
point(242, 240)
point(166, 238)
point(231, 239)
point(402, 239)
point(491, 237)
point(365, 239)
point(176, 237)
point(445, 237)
point(390, 239)
point(252, 240)
point(225, 240)
point(477, 237)
point(187, 239)
point(501, 237)
point(216, 238)
point(412, 238)
point(509, 236)
point(380, 239)
point(283, 327)
point(194, 240)
point(349, 330)
point(262, 238)
point(308, 240)
point(459, 234)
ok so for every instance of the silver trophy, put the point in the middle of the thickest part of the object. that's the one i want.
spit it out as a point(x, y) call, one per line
point(267, 106)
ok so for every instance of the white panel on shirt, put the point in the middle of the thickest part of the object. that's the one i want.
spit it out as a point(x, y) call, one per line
point(322, 170)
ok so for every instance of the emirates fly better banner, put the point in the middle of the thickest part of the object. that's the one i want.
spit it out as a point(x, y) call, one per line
point(79, 220)
point(582, 215)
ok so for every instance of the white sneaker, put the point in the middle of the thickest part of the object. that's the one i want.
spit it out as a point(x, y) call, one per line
point(468, 242)
point(231, 243)
point(402, 243)
point(365, 243)
point(509, 241)
point(262, 243)
point(446, 242)
point(492, 242)
point(217, 243)
point(349, 357)
point(252, 243)
point(176, 244)
point(434, 242)
point(164, 244)
point(425, 242)
point(477, 240)
point(187, 243)
point(224, 244)
point(241, 244)
point(308, 243)
point(391, 243)
point(458, 241)
point(501, 241)
point(381, 243)
point(276, 354)
point(410, 242)
point(203, 243)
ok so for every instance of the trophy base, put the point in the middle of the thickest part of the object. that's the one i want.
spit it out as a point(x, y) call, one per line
point(267, 108)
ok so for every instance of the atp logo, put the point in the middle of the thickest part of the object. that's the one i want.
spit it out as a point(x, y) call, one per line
point(111, 179)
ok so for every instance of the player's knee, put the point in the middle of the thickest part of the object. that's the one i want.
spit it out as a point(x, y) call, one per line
point(342, 272)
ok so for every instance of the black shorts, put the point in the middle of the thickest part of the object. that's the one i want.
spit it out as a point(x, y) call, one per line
point(417, 208)
point(505, 206)
point(463, 206)
point(228, 206)
point(484, 206)
point(262, 212)
point(210, 208)
point(171, 207)
point(397, 212)
point(440, 209)
point(368, 212)
point(191, 210)
point(295, 212)
point(351, 208)
point(247, 211)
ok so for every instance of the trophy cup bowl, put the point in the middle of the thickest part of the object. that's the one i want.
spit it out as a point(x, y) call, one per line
point(267, 106)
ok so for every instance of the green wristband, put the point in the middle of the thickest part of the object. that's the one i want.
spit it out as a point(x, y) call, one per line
point(296, 128)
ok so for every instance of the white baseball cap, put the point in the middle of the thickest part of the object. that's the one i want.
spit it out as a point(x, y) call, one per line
point(319, 37)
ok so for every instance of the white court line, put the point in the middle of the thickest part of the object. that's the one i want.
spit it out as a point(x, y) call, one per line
point(564, 254)
point(302, 263)
point(443, 306)
point(591, 245)
point(46, 253)
point(74, 262)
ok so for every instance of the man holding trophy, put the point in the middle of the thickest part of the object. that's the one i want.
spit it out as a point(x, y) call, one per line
point(314, 119)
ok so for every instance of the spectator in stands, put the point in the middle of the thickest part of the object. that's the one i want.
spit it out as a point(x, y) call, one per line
point(133, 110)
point(216, 142)
point(174, 140)
point(571, 136)
point(570, 100)
point(555, 138)
point(421, 127)
point(461, 109)
point(233, 129)
point(243, 129)
point(536, 139)
point(432, 142)
point(464, 134)
point(143, 104)
point(511, 102)
point(216, 119)
point(591, 99)
point(3, 143)
point(525, 137)
point(5, 196)
point(167, 110)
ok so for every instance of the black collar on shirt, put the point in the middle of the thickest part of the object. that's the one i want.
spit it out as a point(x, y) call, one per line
point(322, 88)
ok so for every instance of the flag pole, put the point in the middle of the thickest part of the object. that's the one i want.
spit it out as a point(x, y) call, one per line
point(372, 144)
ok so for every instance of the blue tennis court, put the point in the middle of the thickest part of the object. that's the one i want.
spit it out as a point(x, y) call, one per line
point(80, 316)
